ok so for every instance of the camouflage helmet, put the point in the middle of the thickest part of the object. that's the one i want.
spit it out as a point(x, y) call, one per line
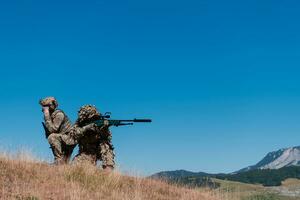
point(88, 112)
point(48, 101)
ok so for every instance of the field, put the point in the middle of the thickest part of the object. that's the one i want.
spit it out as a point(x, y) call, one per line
point(26, 179)
point(241, 191)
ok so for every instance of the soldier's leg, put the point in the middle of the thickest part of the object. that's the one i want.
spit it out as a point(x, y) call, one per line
point(68, 150)
point(55, 142)
point(68, 146)
point(107, 156)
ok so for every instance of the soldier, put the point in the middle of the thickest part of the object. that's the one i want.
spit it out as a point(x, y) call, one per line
point(94, 142)
point(57, 126)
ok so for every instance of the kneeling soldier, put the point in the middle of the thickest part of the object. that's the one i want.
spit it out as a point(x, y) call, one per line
point(94, 142)
point(57, 126)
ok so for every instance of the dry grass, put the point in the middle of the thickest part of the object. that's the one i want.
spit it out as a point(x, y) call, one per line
point(291, 182)
point(32, 180)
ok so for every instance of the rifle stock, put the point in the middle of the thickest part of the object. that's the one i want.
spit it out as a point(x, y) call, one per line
point(47, 133)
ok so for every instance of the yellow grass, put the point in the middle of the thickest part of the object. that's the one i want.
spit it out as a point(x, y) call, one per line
point(291, 182)
point(26, 179)
point(231, 190)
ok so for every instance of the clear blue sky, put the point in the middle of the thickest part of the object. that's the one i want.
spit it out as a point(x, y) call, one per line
point(220, 79)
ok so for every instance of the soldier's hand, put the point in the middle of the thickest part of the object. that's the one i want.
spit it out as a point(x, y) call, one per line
point(45, 109)
point(89, 127)
point(106, 123)
point(105, 126)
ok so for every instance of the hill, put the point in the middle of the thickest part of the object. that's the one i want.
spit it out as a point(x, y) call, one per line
point(32, 180)
point(266, 177)
point(187, 178)
point(179, 174)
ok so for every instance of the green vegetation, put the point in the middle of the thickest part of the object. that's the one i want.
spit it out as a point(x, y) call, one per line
point(266, 177)
point(196, 182)
point(250, 185)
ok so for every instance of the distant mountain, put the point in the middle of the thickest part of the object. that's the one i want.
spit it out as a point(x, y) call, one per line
point(277, 159)
point(285, 157)
point(275, 167)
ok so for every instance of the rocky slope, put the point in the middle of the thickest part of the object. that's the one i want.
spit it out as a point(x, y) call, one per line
point(278, 159)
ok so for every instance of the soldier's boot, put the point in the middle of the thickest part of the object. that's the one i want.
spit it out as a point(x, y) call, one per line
point(58, 157)
point(67, 151)
point(108, 168)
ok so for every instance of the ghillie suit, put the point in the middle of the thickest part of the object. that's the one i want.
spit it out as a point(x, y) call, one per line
point(94, 142)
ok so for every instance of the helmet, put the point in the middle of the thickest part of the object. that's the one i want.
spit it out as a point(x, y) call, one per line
point(48, 101)
point(88, 113)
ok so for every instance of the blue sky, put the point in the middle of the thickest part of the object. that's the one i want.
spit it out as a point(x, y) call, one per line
point(219, 79)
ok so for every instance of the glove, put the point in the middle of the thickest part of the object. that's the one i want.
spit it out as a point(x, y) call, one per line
point(105, 123)
point(89, 127)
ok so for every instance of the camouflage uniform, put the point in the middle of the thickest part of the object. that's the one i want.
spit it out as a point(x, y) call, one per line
point(94, 142)
point(58, 126)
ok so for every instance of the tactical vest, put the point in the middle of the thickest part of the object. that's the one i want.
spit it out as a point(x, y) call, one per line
point(66, 123)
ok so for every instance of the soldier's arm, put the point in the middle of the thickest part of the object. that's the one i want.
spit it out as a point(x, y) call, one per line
point(105, 132)
point(54, 125)
point(77, 132)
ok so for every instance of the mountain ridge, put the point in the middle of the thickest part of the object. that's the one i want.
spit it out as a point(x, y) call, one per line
point(272, 170)
point(284, 157)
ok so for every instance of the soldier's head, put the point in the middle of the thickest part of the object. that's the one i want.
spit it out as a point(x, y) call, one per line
point(50, 102)
point(88, 113)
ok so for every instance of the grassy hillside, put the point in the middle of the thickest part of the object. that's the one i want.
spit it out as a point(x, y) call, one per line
point(31, 180)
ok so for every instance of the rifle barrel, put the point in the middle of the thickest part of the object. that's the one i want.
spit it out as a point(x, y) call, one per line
point(137, 120)
point(142, 120)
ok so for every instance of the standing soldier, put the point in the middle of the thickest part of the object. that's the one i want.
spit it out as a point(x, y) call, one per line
point(57, 125)
point(94, 142)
